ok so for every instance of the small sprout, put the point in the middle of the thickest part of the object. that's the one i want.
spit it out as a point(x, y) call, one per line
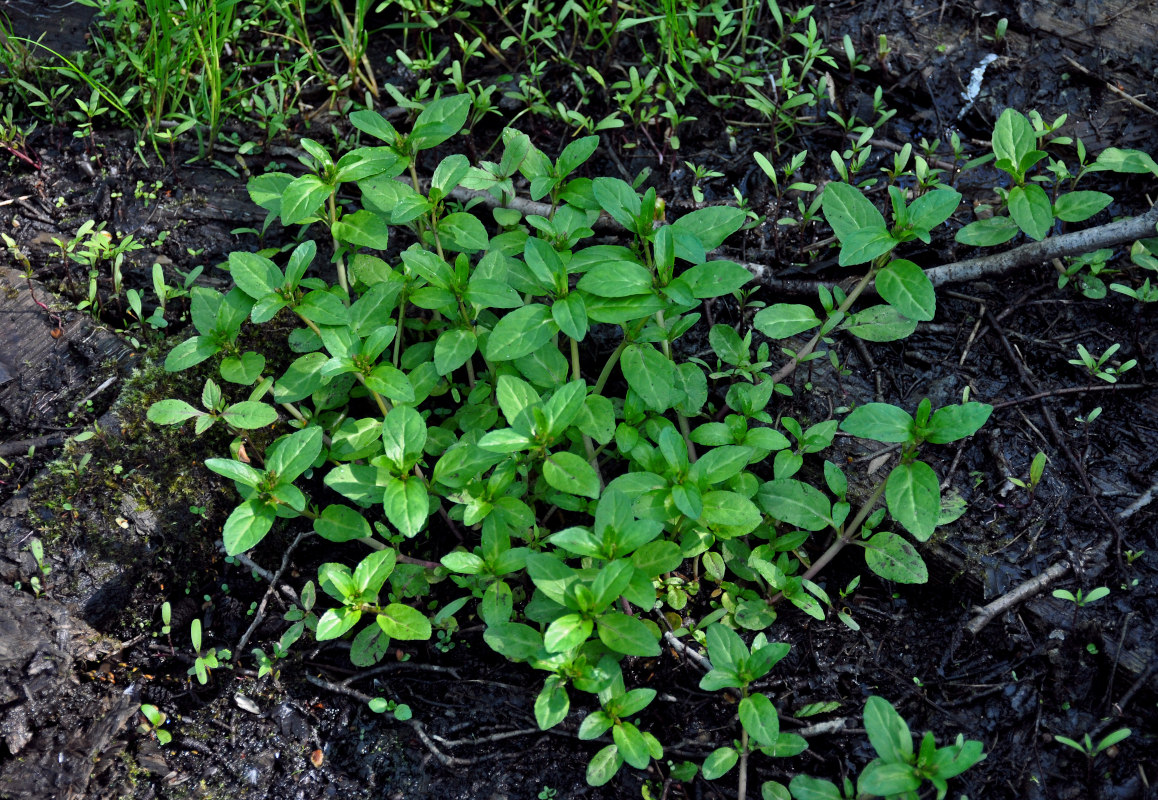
point(1080, 600)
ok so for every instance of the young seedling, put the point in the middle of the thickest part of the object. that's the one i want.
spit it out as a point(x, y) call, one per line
point(1079, 600)
point(1036, 469)
point(154, 719)
point(1098, 368)
point(206, 661)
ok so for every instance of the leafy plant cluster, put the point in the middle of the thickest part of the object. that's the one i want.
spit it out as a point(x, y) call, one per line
point(506, 385)
point(175, 68)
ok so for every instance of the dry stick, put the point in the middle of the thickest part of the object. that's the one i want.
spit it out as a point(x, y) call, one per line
point(1067, 244)
point(1144, 500)
point(443, 758)
point(1022, 591)
point(1114, 387)
point(1134, 101)
point(1058, 439)
point(21, 446)
point(260, 615)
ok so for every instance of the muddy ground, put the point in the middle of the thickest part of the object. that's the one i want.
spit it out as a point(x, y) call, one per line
point(135, 525)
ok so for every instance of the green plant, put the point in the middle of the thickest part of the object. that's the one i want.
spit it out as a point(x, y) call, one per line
point(1086, 746)
point(999, 31)
point(1036, 470)
point(1098, 367)
point(734, 666)
point(267, 664)
point(36, 547)
point(899, 770)
point(1079, 600)
point(154, 719)
point(462, 383)
point(206, 661)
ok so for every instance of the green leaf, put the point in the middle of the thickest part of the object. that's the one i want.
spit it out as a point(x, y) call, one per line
point(650, 374)
point(302, 199)
point(466, 233)
point(782, 320)
point(440, 120)
point(1128, 161)
point(894, 559)
point(372, 571)
point(864, 245)
point(514, 640)
point(521, 332)
point(914, 498)
point(888, 779)
point(759, 718)
point(1079, 206)
point(1013, 138)
point(301, 379)
point(627, 635)
point(848, 211)
point(375, 124)
point(594, 725)
point(620, 310)
point(951, 423)
point(796, 503)
point(340, 523)
point(403, 436)
point(336, 622)
point(881, 422)
point(618, 199)
point(711, 225)
point(235, 470)
point(362, 229)
point(1030, 208)
point(932, 208)
point(882, 323)
point(406, 504)
point(616, 279)
point(369, 646)
point(720, 762)
point(190, 353)
point(806, 788)
point(632, 746)
point(404, 623)
point(171, 412)
point(552, 703)
point(454, 348)
point(247, 525)
point(249, 414)
point(566, 633)
point(244, 369)
point(887, 731)
point(907, 288)
point(291, 455)
point(255, 275)
point(570, 314)
point(715, 278)
point(266, 190)
point(324, 308)
point(721, 463)
point(569, 473)
point(988, 232)
point(604, 765)
point(725, 648)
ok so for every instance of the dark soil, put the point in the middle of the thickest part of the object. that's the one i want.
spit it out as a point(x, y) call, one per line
point(135, 525)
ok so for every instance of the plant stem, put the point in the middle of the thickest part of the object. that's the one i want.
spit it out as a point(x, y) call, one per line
point(845, 537)
point(742, 782)
point(790, 367)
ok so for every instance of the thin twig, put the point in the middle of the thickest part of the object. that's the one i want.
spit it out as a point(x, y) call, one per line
point(260, 614)
point(1022, 591)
